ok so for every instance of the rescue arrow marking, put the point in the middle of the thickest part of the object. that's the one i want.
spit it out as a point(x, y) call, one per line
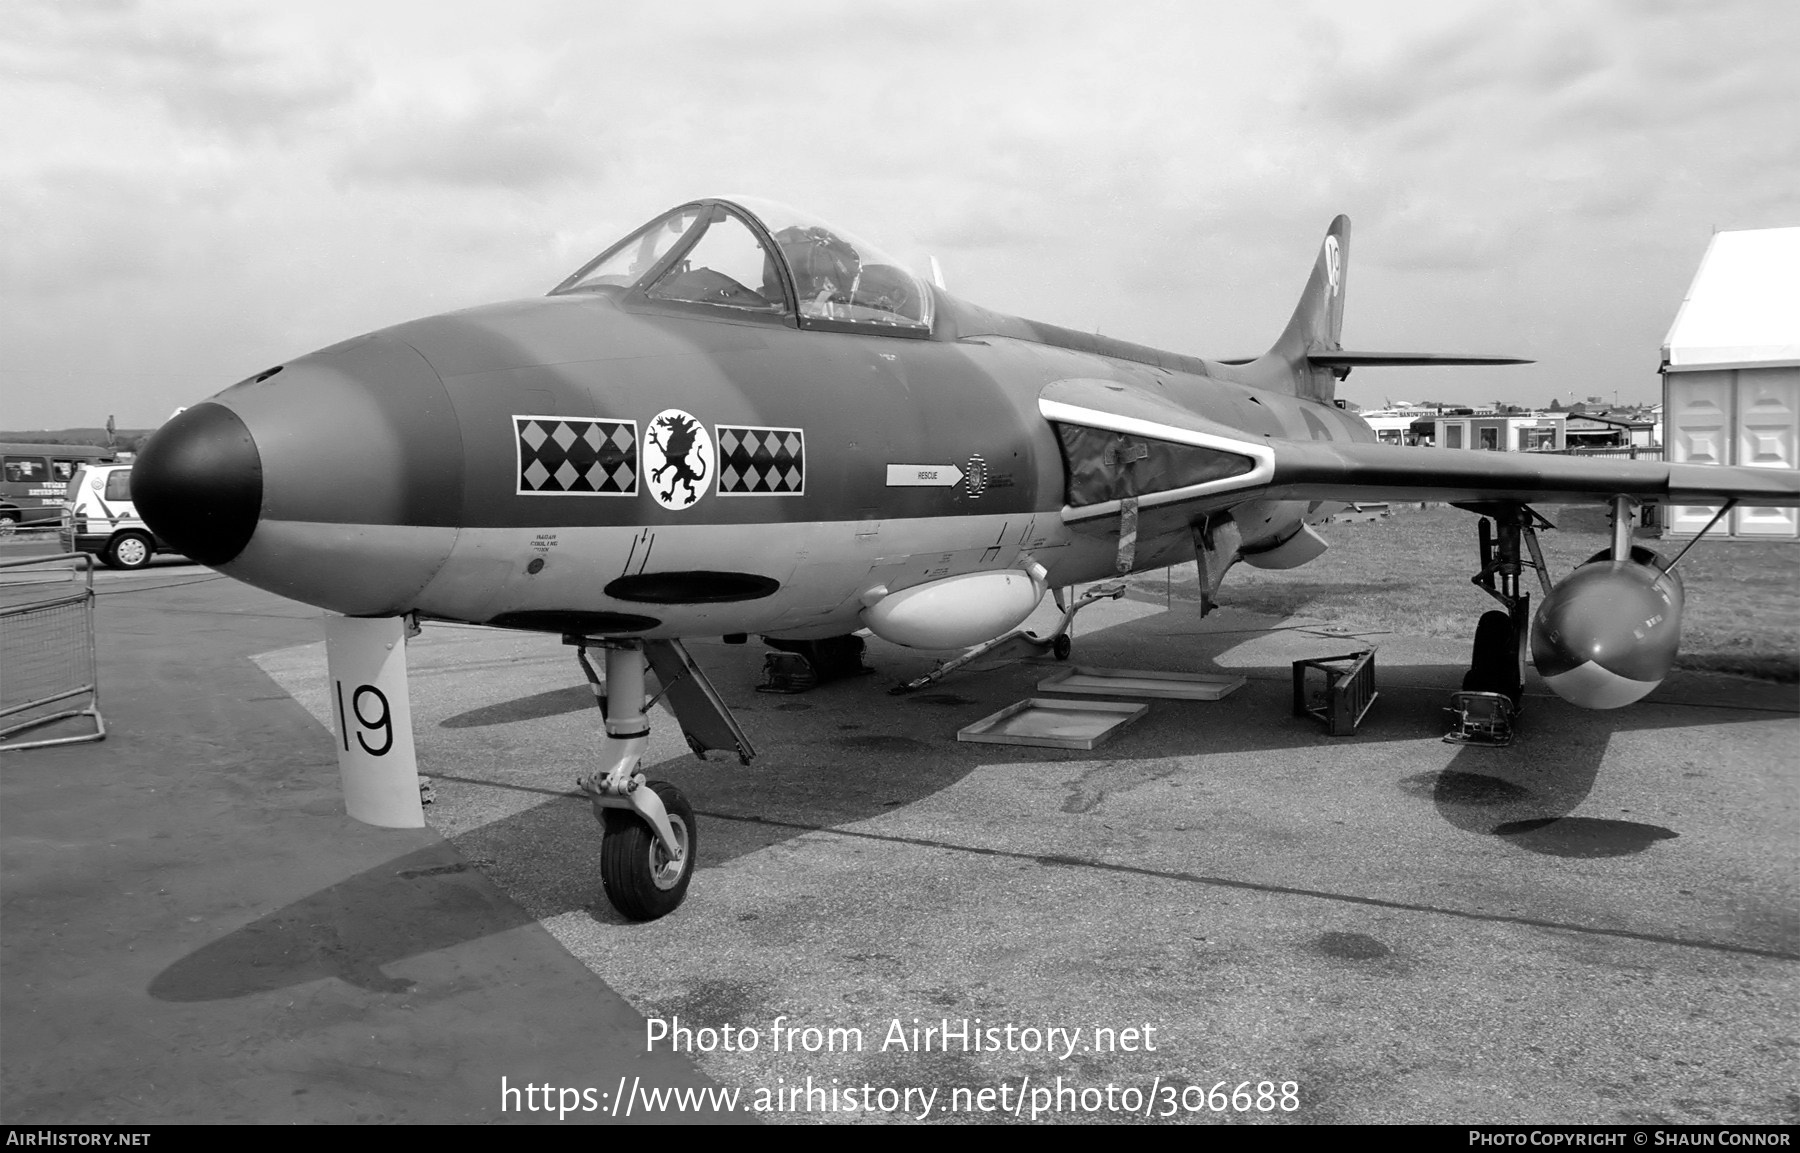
point(923, 475)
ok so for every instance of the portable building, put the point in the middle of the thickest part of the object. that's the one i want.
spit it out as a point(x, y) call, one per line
point(1731, 371)
point(1501, 432)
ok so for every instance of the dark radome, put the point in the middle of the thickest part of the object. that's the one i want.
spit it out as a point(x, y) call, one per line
point(198, 484)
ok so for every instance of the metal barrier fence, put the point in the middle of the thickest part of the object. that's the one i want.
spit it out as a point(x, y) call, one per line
point(47, 647)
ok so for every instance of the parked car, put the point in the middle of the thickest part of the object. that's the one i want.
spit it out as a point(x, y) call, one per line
point(98, 517)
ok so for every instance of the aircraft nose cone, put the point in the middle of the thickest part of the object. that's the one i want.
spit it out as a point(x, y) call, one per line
point(335, 481)
point(198, 484)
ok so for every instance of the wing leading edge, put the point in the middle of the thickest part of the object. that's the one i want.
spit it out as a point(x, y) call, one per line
point(1322, 470)
point(1197, 470)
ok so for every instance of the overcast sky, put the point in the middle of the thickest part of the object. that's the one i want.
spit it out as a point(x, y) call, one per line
point(194, 190)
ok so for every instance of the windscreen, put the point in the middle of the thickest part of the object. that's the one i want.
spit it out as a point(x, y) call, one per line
point(632, 258)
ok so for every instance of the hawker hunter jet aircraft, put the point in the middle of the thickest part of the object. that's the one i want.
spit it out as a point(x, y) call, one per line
point(741, 420)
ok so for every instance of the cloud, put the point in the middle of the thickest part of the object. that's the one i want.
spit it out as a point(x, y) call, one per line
point(983, 225)
point(482, 147)
point(230, 183)
point(215, 75)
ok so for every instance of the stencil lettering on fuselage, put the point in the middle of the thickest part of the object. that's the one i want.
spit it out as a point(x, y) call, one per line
point(678, 459)
point(756, 461)
point(572, 456)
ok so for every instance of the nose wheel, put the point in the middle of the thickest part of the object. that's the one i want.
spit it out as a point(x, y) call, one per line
point(647, 850)
point(644, 880)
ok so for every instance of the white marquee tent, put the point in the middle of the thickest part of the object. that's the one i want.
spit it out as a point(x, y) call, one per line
point(1731, 370)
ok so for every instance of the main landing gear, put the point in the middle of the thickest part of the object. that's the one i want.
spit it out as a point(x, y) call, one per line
point(1493, 690)
point(650, 841)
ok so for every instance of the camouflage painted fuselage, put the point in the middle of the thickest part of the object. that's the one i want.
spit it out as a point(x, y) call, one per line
point(502, 464)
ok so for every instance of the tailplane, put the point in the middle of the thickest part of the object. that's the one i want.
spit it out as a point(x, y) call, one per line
point(1309, 359)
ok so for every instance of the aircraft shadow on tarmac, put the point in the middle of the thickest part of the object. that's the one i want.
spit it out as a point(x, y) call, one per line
point(821, 769)
point(552, 703)
point(1524, 794)
point(418, 903)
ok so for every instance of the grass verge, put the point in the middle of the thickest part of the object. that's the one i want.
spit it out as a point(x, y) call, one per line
point(1409, 573)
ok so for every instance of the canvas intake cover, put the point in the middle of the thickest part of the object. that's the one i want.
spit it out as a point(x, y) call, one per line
point(1102, 465)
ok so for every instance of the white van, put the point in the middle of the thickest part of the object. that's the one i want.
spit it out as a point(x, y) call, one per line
point(98, 517)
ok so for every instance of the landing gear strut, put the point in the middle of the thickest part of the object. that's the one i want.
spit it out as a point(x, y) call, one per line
point(647, 856)
point(1498, 662)
point(1493, 690)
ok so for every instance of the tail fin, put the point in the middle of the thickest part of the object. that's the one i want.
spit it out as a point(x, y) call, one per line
point(1313, 330)
point(1308, 360)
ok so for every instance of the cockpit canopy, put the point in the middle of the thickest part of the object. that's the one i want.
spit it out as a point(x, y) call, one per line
point(757, 256)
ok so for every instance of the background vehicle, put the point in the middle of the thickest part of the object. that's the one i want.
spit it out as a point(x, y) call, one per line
point(99, 517)
point(34, 481)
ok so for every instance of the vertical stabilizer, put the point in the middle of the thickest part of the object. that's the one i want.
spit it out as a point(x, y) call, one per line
point(1314, 327)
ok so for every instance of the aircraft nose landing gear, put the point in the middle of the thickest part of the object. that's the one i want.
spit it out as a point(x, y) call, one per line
point(642, 878)
point(647, 854)
point(648, 851)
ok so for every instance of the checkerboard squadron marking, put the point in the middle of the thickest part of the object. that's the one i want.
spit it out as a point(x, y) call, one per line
point(576, 456)
point(756, 461)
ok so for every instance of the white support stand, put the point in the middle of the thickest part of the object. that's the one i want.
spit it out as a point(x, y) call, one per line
point(366, 658)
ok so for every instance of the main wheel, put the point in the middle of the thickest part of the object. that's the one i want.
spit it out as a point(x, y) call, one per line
point(129, 550)
point(640, 879)
point(1061, 647)
point(1494, 665)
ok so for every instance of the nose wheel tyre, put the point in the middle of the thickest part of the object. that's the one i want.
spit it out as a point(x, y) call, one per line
point(129, 550)
point(640, 880)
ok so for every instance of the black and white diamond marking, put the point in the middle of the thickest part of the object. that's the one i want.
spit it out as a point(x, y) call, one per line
point(761, 461)
point(572, 456)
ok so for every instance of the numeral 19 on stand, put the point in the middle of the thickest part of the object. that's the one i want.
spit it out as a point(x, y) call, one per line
point(380, 722)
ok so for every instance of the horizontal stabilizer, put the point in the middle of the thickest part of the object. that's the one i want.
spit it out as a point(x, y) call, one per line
point(1339, 358)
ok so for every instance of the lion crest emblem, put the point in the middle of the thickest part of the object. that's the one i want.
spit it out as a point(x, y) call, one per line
point(678, 458)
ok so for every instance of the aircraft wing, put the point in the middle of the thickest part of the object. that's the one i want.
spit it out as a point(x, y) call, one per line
point(1123, 443)
point(1325, 470)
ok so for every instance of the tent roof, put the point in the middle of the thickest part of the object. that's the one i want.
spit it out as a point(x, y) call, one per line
point(1744, 304)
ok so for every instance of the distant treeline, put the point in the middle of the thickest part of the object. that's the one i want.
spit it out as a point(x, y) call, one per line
point(124, 440)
